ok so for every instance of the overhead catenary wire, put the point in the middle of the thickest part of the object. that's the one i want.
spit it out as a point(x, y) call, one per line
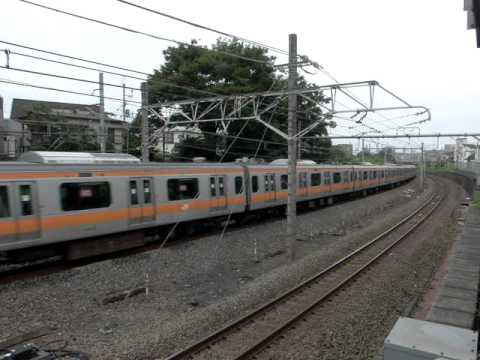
point(78, 79)
point(65, 77)
point(72, 65)
point(12, 82)
point(166, 83)
point(223, 33)
point(157, 37)
point(74, 57)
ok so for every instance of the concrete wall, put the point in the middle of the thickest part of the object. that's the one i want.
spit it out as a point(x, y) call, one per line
point(466, 179)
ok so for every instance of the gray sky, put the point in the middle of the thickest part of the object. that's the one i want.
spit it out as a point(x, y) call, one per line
point(421, 50)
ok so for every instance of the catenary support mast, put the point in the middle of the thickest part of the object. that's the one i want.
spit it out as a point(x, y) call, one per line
point(103, 147)
point(144, 135)
point(292, 148)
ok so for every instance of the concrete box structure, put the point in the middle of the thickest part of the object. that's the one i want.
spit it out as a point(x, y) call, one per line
point(412, 339)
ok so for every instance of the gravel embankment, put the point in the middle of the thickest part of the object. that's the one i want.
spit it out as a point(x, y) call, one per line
point(194, 286)
point(355, 323)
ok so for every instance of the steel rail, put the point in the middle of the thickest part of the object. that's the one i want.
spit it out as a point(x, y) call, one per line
point(257, 347)
point(233, 325)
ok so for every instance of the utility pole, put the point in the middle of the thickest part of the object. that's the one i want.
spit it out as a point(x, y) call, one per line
point(103, 147)
point(299, 140)
point(124, 103)
point(124, 115)
point(144, 135)
point(363, 150)
point(292, 153)
point(422, 170)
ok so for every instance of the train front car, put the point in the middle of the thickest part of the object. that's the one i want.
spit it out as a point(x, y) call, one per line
point(78, 207)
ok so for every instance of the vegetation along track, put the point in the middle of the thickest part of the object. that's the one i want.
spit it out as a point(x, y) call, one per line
point(248, 335)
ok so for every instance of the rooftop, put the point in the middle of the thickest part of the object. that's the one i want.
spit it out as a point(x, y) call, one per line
point(22, 108)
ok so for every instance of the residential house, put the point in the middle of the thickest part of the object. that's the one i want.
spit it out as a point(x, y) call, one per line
point(67, 126)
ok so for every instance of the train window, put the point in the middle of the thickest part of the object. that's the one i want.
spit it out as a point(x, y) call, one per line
point(302, 180)
point(284, 182)
point(267, 183)
point(316, 179)
point(26, 200)
point(365, 175)
point(238, 184)
point(147, 192)
point(84, 196)
point(221, 186)
point(133, 192)
point(254, 184)
point(346, 176)
point(374, 174)
point(337, 178)
point(272, 182)
point(213, 187)
point(328, 178)
point(4, 204)
point(182, 189)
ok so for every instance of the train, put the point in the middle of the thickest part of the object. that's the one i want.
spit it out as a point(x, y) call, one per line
point(73, 203)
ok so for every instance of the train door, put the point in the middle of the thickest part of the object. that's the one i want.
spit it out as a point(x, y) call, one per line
point(218, 192)
point(25, 203)
point(302, 184)
point(270, 188)
point(7, 218)
point(141, 201)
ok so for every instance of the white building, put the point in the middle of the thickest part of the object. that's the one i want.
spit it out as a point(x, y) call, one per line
point(166, 141)
point(465, 151)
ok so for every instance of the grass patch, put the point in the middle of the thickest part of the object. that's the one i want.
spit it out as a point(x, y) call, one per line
point(441, 168)
point(476, 199)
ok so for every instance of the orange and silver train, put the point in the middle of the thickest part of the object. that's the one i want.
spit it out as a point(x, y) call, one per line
point(78, 206)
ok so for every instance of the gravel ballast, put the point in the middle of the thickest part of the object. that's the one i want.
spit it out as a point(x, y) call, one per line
point(193, 287)
point(354, 324)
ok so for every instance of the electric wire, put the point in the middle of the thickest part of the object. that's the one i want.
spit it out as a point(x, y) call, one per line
point(169, 84)
point(12, 82)
point(233, 37)
point(74, 57)
point(66, 77)
point(119, 27)
point(81, 80)
point(72, 65)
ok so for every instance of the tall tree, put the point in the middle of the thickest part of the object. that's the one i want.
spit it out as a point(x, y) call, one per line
point(216, 72)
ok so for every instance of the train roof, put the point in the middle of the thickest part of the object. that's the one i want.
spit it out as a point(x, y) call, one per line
point(59, 157)
point(20, 166)
point(52, 161)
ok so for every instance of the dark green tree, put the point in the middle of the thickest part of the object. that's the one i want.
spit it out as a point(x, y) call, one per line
point(219, 73)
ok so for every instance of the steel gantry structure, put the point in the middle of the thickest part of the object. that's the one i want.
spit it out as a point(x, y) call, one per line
point(255, 106)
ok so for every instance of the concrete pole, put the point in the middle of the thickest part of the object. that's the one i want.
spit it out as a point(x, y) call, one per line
point(299, 141)
point(103, 147)
point(144, 135)
point(422, 170)
point(292, 153)
point(363, 150)
point(124, 104)
point(124, 116)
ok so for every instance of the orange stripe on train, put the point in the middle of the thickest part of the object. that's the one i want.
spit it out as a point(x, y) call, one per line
point(136, 173)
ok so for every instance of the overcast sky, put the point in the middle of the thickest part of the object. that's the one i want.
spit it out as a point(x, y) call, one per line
point(421, 50)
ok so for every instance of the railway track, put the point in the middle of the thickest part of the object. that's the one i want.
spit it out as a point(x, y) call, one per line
point(45, 266)
point(249, 335)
